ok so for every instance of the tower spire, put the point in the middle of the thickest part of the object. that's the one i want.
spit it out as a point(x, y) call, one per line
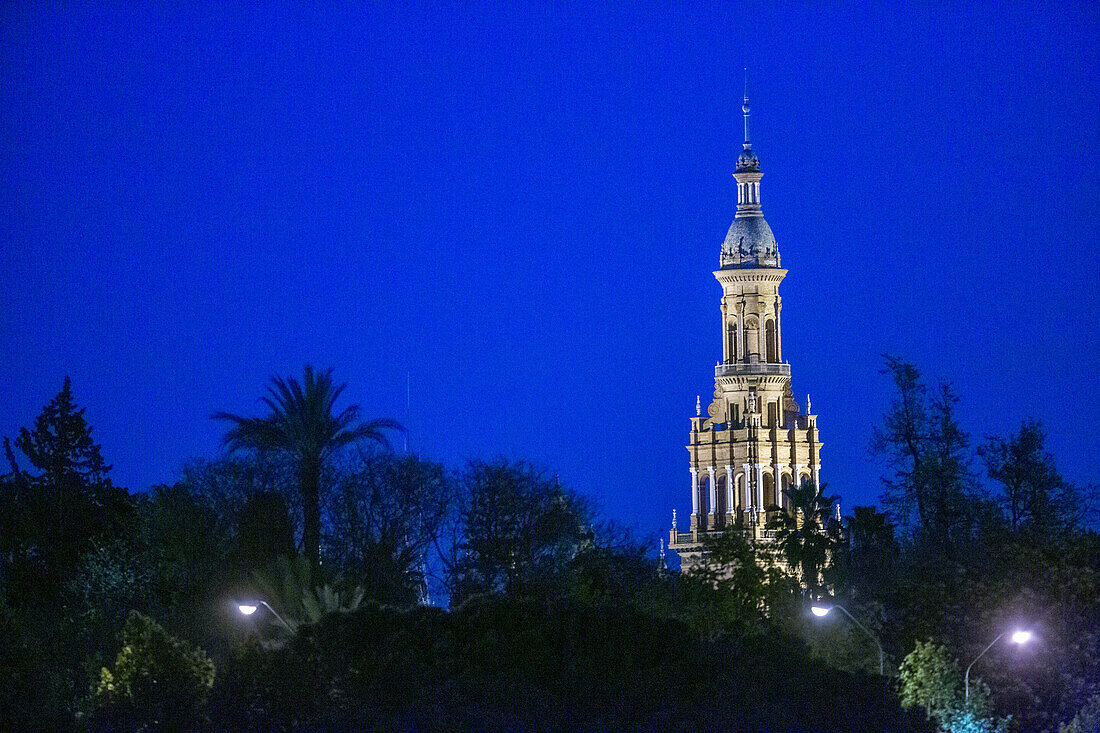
point(745, 109)
point(747, 162)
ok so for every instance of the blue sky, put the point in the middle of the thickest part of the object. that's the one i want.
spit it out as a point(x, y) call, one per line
point(518, 207)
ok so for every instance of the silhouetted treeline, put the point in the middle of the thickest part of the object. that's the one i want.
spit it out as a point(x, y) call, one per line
point(392, 592)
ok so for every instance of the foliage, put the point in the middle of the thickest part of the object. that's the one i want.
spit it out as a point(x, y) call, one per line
point(508, 663)
point(926, 449)
point(1035, 496)
point(265, 531)
point(65, 565)
point(36, 692)
point(557, 620)
point(809, 539)
point(385, 516)
point(869, 553)
point(1087, 719)
point(968, 721)
point(726, 590)
point(158, 682)
point(288, 587)
point(929, 678)
point(517, 529)
point(303, 424)
point(50, 519)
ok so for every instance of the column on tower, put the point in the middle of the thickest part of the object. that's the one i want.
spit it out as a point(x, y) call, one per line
point(760, 487)
point(752, 342)
point(778, 332)
point(712, 512)
point(748, 486)
point(694, 498)
point(777, 484)
point(741, 351)
point(731, 503)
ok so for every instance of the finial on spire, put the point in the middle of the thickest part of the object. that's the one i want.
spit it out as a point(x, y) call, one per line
point(745, 107)
point(747, 162)
point(698, 407)
point(809, 411)
point(674, 519)
point(662, 550)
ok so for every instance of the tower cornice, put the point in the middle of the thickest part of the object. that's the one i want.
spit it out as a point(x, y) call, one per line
point(750, 275)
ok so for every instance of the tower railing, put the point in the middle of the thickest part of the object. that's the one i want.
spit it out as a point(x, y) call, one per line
point(746, 531)
point(738, 368)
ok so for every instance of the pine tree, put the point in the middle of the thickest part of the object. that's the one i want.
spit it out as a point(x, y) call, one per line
point(56, 514)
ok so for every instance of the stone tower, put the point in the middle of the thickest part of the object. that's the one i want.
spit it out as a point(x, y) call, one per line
point(754, 441)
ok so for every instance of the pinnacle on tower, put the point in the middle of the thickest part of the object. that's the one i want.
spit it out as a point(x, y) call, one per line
point(749, 242)
point(747, 162)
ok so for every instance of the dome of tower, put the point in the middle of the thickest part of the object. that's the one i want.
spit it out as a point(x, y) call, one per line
point(750, 242)
point(747, 162)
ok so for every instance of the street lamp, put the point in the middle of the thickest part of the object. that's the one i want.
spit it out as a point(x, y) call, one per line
point(822, 609)
point(251, 607)
point(1019, 637)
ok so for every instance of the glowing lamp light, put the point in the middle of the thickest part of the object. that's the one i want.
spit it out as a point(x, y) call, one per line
point(1019, 637)
point(819, 610)
point(247, 608)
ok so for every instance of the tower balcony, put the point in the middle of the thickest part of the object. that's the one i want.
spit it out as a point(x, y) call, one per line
point(738, 369)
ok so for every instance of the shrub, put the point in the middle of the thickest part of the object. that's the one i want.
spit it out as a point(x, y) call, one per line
point(159, 682)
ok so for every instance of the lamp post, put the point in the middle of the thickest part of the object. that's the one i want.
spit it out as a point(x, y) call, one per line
point(248, 609)
point(1019, 637)
point(822, 609)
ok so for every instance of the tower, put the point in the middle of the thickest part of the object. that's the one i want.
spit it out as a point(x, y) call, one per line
point(754, 441)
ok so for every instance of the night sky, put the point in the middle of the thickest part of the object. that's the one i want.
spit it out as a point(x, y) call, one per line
point(519, 208)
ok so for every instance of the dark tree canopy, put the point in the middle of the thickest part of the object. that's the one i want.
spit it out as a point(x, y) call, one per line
point(807, 539)
point(518, 527)
point(385, 516)
point(53, 513)
point(1035, 496)
point(304, 424)
point(932, 491)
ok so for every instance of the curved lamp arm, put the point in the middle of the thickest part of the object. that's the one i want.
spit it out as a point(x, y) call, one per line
point(967, 677)
point(873, 637)
point(276, 615)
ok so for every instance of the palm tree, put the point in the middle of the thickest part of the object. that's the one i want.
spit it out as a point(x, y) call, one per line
point(809, 537)
point(303, 426)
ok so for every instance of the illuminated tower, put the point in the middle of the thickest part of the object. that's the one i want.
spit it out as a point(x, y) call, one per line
point(754, 441)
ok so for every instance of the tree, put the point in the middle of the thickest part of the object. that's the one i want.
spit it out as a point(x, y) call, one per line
point(1036, 497)
point(384, 515)
point(727, 589)
point(929, 678)
point(1087, 719)
point(264, 530)
point(303, 424)
point(158, 683)
point(51, 518)
point(927, 450)
point(871, 550)
point(517, 528)
point(809, 539)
